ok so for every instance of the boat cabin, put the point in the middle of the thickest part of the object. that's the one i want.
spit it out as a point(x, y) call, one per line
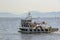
point(32, 27)
point(25, 23)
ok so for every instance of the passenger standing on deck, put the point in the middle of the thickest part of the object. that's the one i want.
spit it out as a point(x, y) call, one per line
point(43, 24)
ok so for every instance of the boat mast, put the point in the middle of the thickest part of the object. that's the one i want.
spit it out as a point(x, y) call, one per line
point(29, 16)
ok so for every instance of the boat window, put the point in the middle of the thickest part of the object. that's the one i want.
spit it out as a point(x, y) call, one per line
point(25, 29)
point(25, 25)
point(30, 29)
point(38, 30)
point(46, 29)
point(42, 30)
point(34, 29)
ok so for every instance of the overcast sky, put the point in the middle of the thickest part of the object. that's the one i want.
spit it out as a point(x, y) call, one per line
point(20, 6)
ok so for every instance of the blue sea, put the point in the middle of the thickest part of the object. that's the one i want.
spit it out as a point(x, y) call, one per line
point(9, 28)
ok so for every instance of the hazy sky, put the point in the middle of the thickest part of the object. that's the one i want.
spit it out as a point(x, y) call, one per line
point(29, 5)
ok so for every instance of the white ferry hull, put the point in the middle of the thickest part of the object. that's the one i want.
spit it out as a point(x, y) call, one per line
point(41, 31)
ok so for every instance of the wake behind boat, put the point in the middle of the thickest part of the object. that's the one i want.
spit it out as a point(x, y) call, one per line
point(28, 26)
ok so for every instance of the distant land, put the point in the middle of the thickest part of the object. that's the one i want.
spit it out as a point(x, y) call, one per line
point(33, 14)
point(7, 14)
point(41, 14)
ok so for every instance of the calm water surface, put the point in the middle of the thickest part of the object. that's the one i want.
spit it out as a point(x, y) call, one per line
point(9, 30)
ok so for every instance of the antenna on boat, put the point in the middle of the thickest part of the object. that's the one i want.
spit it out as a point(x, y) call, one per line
point(29, 16)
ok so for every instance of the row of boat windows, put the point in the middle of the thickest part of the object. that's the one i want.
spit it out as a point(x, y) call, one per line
point(25, 20)
point(34, 30)
point(25, 25)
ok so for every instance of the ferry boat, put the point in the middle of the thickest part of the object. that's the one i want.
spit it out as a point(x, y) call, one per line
point(27, 26)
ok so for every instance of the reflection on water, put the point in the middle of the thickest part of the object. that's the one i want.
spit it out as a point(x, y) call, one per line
point(50, 36)
point(9, 31)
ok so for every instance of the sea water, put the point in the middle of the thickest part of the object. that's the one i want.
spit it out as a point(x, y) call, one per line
point(9, 28)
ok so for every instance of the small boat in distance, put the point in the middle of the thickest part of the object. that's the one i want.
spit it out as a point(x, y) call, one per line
point(27, 26)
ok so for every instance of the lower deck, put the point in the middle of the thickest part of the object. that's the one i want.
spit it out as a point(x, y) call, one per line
point(34, 30)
